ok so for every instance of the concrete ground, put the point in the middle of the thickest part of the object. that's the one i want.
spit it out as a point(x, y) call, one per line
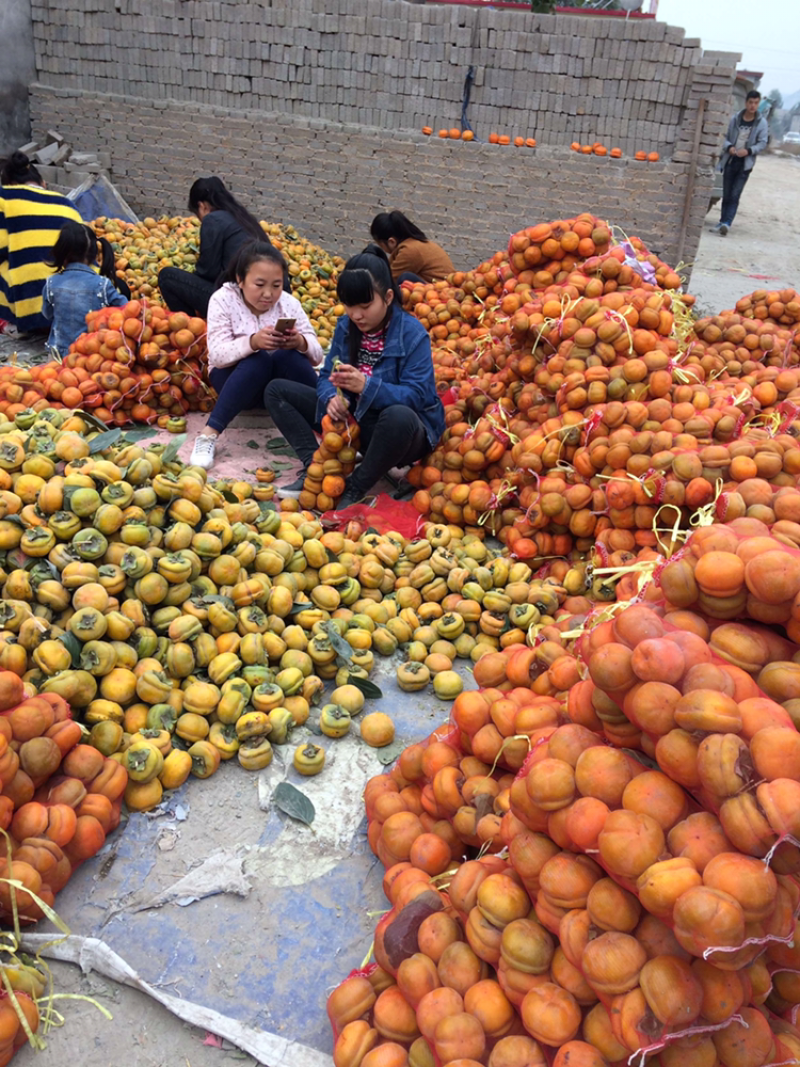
point(762, 250)
point(293, 909)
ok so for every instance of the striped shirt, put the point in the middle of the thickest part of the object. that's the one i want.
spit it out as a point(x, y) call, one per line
point(371, 351)
point(30, 220)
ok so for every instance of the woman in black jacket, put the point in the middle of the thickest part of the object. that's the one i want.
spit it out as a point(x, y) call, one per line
point(225, 225)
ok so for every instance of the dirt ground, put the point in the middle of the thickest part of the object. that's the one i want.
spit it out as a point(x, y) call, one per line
point(762, 250)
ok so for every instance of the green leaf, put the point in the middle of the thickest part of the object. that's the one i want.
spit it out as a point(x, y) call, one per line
point(338, 643)
point(215, 598)
point(368, 688)
point(131, 436)
point(294, 803)
point(44, 565)
point(173, 448)
point(15, 520)
point(92, 420)
point(265, 506)
point(73, 646)
point(253, 444)
point(232, 498)
point(279, 446)
point(104, 440)
point(300, 605)
point(389, 753)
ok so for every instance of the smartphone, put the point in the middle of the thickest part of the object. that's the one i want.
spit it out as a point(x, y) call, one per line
point(284, 325)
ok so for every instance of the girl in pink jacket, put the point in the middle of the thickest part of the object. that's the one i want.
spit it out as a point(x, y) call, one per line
point(246, 349)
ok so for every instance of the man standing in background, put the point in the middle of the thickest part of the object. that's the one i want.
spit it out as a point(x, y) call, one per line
point(746, 137)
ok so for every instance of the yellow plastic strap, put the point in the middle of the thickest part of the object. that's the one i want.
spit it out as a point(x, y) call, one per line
point(707, 514)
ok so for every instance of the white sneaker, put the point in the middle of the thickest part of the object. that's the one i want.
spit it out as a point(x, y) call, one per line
point(203, 451)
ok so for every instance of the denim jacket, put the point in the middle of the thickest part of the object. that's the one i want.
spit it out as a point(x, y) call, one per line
point(402, 375)
point(69, 296)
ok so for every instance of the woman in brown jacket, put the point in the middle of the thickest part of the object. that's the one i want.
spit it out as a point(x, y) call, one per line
point(412, 257)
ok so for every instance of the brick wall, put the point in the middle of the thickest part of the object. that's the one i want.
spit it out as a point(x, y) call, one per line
point(312, 110)
point(329, 180)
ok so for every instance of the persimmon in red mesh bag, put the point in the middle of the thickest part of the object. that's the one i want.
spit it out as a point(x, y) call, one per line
point(382, 513)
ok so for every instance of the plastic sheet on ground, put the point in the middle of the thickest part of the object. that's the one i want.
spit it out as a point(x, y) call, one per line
point(219, 899)
point(97, 196)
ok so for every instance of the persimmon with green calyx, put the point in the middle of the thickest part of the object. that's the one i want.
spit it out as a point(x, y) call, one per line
point(143, 761)
point(222, 736)
point(281, 722)
point(309, 759)
point(413, 676)
point(334, 720)
point(255, 753)
point(205, 759)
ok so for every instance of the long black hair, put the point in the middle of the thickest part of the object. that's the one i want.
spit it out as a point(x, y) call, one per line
point(214, 192)
point(364, 275)
point(394, 224)
point(108, 267)
point(18, 170)
point(248, 254)
point(76, 243)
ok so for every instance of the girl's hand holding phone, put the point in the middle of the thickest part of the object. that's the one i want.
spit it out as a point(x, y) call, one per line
point(270, 339)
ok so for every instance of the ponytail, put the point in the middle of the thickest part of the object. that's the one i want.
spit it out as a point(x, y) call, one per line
point(18, 170)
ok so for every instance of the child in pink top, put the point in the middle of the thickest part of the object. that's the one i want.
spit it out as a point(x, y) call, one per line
point(245, 351)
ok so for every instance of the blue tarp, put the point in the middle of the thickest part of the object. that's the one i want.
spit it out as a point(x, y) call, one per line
point(98, 197)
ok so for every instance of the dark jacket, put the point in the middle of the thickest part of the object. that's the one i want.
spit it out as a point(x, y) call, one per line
point(403, 374)
point(756, 142)
point(221, 237)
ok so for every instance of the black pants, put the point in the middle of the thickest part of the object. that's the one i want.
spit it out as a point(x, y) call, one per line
point(392, 437)
point(184, 291)
point(734, 179)
point(242, 386)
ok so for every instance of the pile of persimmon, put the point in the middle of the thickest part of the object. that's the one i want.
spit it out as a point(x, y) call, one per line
point(608, 412)
point(619, 952)
point(138, 363)
point(333, 461)
point(572, 339)
point(746, 569)
point(59, 797)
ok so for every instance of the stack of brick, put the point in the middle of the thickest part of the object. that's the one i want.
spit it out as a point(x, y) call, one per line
point(61, 166)
point(312, 112)
point(382, 63)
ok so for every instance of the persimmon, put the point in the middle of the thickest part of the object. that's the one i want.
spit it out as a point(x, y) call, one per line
point(550, 1014)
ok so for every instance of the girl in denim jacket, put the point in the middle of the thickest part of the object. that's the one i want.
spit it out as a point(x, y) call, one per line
point(379, 370)
point(76, 288)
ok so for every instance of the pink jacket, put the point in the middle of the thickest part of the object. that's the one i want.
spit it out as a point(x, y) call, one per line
point(231, 324)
